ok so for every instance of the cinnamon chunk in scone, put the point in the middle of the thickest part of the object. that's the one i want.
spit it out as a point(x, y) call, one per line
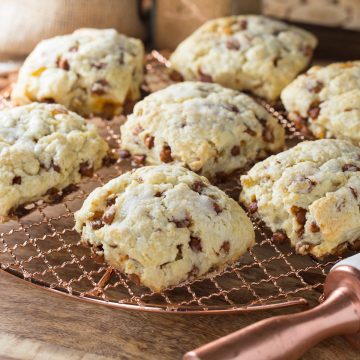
point(163, 225)
point(309, 194)
point(262, 56)
point(44, 148)
point(204, 127)
point(90, 71)
point(325, 100)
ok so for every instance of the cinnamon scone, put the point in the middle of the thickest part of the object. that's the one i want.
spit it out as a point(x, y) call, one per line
point(246, 52)
point(91, 71)
point(310, 194)
point(204, 127)
point(43, 149)
point(326, 100)
point(163, 225)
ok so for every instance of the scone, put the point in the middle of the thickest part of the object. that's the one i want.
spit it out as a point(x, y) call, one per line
point(162, 225)
point(43, 149)
point(204, 127)
point(326, 100)
point(310, 194)
point(90, 71)
point(246, 52)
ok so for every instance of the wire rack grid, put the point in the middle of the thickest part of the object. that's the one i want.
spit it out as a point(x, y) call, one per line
point(41, 246)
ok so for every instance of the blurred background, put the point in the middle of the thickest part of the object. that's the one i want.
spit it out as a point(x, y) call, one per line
point(162, 24)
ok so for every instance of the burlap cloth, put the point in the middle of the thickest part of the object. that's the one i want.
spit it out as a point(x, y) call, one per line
point(174, 20)
point(23, 23)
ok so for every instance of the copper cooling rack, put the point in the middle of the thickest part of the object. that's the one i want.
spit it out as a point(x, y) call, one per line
point(42, 247)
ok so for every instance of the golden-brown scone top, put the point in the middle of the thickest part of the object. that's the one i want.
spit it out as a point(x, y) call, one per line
point(310, 194)
point(246, 52)
point(91, 71)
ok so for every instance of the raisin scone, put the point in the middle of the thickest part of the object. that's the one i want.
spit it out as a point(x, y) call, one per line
point(247, 52)
point(162, 225)
point(43, 149)
point(326, 100)
point(90, 71)
point(310, 194)
point(205, 127)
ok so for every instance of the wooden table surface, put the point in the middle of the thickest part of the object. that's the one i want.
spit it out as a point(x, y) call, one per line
point(38, 324)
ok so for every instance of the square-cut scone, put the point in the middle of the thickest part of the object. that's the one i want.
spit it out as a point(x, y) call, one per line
point(162, 225)
point(90, 72)
point(310, 194)
point(43, 149)
point(326, 100)
point(204, 127)
point(246, 52)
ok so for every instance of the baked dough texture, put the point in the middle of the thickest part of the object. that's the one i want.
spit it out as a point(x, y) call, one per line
point(90, 72)
point(43, 149)
point(246, 52)
point(204, 127)
point(310, 194)
point(163, 225)
point(326, 99)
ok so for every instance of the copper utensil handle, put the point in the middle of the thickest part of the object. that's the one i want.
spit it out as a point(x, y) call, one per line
point(286, 337)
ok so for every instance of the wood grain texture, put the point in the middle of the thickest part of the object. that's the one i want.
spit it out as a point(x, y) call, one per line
point(17, 347)
point(64, 327)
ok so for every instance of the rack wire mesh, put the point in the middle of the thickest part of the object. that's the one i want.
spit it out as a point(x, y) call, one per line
point(42, 247)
